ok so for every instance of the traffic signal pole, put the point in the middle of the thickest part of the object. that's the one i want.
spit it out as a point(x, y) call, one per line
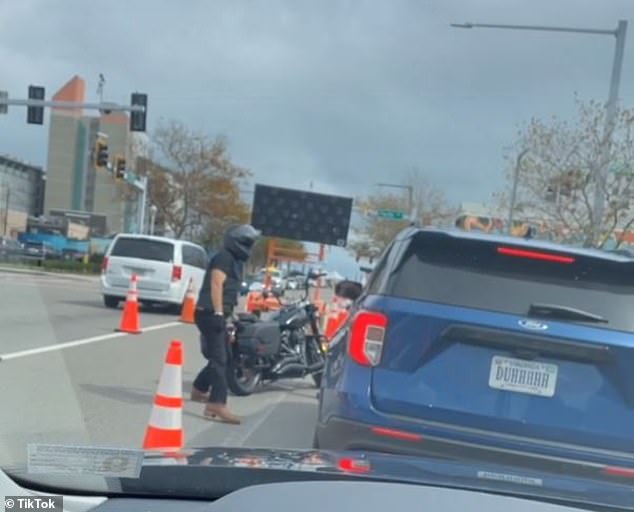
point(70, 105)
point(36, 103)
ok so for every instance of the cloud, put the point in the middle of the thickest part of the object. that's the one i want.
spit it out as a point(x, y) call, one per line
point(340, 93)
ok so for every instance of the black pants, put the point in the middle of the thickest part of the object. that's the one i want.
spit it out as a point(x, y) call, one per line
point(214, 348)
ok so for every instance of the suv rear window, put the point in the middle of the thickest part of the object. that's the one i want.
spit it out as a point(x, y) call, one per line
point(144, 249)
point(441, 268)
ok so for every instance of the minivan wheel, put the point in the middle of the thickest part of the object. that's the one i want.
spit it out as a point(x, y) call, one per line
point(110, 301)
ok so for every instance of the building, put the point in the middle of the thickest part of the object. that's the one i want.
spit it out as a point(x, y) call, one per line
point(21, 194)
point(73, 183)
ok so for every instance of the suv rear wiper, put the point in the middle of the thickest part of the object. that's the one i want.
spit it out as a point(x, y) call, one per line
point(564, 313)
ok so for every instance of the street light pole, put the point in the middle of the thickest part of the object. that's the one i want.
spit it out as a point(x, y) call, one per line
point(153, 210)
point(142, 186)
point(516, 175)
point(410, 196)
point(599, 172)
point(606, 143)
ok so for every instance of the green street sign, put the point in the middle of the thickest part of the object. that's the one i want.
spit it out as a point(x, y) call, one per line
point(621, 170)
point(391, 214)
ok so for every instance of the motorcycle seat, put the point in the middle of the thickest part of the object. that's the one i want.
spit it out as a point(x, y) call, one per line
point(247, 317)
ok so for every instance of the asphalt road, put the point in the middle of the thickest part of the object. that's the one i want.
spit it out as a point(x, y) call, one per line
point(99, 391)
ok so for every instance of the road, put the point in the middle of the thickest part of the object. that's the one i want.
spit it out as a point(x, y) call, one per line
point(99, 391)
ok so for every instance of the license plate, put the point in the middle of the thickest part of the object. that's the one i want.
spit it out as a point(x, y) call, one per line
point(139, 272)
point(521, 376)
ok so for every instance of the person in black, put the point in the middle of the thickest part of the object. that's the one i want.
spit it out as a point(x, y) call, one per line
point(216, 300)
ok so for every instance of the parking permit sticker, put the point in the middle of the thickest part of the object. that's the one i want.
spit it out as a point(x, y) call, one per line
point(84, 460)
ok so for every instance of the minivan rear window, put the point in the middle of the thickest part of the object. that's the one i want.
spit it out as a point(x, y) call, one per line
point(143, 248)
point(482, 274)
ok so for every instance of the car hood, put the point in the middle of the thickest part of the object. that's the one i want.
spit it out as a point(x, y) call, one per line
point(212, 472)
point(273, 465)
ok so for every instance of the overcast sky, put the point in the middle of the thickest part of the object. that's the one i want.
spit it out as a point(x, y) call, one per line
point(342, 92)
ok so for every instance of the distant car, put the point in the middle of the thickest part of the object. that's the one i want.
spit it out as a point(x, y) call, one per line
point(72, 255)
point(10, 249)
point(491, 348)
point(162, 265)
point(36, 250)
point(256, 286)
point(245, 285)
point(277, 281)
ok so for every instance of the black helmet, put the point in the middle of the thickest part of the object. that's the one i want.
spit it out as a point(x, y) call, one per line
point(239, 240)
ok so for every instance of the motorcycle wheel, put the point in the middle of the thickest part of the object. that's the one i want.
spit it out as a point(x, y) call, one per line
point(241, 379)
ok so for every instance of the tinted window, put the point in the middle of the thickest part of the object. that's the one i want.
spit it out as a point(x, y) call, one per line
point(376, 277)
point(144, 249)
point(472, 273)
point(194, 257)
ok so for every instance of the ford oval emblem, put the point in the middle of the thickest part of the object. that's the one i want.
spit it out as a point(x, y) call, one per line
point(533, 325)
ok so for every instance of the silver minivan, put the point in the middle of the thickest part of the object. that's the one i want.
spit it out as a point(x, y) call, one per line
point(163, 267)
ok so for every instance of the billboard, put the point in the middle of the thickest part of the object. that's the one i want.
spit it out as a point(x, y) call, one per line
point(301, 215)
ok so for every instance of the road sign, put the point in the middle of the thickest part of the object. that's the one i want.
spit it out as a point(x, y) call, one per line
point(4, 108)
point(390, 214)
point(301, 215)
point(621, 169)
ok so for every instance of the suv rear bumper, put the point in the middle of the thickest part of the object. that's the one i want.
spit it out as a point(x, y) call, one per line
point(173, 295)
point(345, 434)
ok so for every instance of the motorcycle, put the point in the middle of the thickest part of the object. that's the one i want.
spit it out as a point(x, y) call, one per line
point(288, 344)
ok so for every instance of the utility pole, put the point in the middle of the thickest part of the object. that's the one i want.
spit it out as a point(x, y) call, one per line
point(100, 86)
point(6, 210)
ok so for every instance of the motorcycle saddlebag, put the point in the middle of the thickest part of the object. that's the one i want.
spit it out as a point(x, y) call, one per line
point(259, 338)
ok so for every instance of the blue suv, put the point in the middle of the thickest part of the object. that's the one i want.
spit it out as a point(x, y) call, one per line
point(487, 347)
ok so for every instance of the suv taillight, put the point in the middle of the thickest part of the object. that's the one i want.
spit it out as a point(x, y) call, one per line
point(177, 273)
point(366, 337)
point(104, 265)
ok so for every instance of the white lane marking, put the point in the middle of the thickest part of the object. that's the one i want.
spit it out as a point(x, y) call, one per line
point(83, 341)
point(162, 326)
point(238, 439)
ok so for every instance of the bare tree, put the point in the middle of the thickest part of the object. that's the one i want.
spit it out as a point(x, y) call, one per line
point(199, 194)
point(555, 179)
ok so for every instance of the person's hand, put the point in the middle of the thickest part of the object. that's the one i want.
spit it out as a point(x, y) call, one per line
point(218, 323)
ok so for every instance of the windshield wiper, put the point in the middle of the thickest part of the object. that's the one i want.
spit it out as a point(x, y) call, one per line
point(564, 313)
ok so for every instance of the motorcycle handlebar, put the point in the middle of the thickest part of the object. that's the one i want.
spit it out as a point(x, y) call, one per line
point(313, 276)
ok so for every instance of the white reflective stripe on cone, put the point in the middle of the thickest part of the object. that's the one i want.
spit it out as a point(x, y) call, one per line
point(170, 383)
point(166, 417)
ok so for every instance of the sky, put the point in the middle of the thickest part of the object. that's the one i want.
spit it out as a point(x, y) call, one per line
point(338, 93)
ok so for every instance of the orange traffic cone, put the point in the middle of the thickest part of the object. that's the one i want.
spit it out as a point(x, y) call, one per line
point(130, 321)
point(189, 305)
point(165, 428)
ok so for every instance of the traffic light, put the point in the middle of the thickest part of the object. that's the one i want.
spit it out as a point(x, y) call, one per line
point(101, 153)
point(119, 168)
point(138, 119)
point(35, 115)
